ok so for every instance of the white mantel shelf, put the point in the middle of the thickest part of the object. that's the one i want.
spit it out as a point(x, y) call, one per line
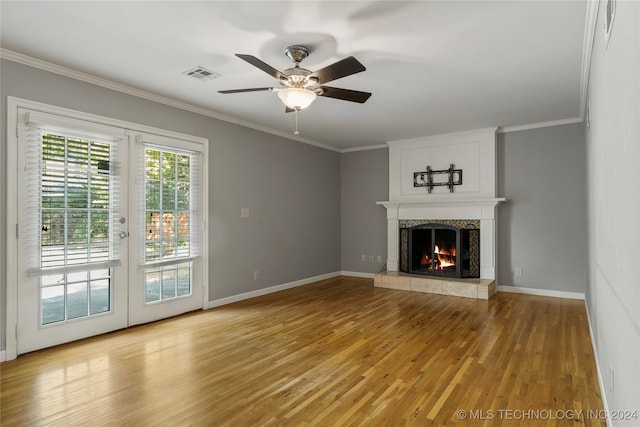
point(471, 202)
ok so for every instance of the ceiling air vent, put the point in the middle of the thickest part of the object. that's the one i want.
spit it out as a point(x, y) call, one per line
point(201, 74)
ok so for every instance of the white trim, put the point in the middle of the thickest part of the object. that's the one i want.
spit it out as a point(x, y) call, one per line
point(358, 274)
point(542, 292)
point(37, 272)
point(488, 202)
point(3, 356)
point(70, 125)
point(505, 129)
point(101, 120)
point(204, 254)
point(603, 390)
point(11, 300)
point(259, 292)
point(541, 125)
point(119, 87)
point(445, 137)
point(587, 48)
point(365, 148)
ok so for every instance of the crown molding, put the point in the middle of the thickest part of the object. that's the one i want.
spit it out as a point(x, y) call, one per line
point(541, 125)
point(447, 136)
point(365, 148)
point(149, 96)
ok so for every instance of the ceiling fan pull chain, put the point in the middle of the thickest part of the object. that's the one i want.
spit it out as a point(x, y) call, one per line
point(296, 132)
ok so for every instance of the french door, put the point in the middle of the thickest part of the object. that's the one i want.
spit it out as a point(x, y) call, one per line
point(72, 205)
point(109, 228)
point(168, 206)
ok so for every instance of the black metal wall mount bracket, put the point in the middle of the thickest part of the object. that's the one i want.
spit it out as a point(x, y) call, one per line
point(425, 179)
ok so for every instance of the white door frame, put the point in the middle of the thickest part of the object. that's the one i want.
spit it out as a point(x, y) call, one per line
point(13, 103)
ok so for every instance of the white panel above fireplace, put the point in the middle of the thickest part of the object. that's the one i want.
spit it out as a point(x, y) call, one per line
point(474, 152)
point(462, 156)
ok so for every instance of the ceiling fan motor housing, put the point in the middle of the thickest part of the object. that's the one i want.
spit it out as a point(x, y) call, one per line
point(296, 53)
point(297, 77)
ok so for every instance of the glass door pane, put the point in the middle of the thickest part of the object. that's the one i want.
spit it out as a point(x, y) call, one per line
point(168, 227)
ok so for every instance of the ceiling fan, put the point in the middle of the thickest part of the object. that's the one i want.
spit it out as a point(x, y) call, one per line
point(299, 87)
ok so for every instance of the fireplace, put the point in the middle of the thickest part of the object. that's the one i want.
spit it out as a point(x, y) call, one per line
point(443, 248)
point(442, 241)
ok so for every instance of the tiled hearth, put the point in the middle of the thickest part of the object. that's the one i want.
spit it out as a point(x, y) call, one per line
point(468, 288)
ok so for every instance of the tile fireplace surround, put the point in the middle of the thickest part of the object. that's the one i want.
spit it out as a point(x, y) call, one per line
point(475, 153)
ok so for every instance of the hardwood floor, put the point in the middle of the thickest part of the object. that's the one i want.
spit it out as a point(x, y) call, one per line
point(334, 353)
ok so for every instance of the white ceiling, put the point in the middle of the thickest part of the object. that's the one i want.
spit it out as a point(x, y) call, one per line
point(432, 66)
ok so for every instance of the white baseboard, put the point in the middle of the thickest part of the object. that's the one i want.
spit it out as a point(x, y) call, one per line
point(240, 297)
point(3, 356)
point(541, 292)
point(603, 390)
point(357, 274)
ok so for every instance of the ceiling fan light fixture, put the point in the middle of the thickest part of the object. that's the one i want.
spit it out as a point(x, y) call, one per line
point(299, 87)
point(296, 98)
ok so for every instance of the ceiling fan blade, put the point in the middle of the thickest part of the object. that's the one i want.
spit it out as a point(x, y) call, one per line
point(261, 65)
point(345, 94)
point(254, 89)
point(338, 70)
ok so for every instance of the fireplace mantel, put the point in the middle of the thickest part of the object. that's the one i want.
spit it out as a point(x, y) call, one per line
point(458, 202)
point(483, 209)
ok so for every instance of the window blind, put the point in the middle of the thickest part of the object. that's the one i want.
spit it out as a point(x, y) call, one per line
point(73, 194)
point(170, 197)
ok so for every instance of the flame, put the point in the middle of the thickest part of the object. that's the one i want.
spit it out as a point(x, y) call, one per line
point(444, 258)
point(447, 258)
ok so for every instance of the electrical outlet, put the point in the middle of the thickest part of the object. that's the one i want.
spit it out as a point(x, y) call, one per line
point(518, 271)
point(363, 258)
point(371, 258)
point(379, 258)
point(256, 274)
point(244, 213)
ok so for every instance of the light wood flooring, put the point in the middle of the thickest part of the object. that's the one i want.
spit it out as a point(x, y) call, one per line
point(333, 353)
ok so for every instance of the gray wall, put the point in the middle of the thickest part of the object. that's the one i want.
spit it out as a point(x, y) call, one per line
point(365, 181)
point(613, 141)
point(291, 189)
point(542, 228)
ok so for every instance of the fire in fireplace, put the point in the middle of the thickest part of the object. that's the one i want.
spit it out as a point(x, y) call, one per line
point(438, 249)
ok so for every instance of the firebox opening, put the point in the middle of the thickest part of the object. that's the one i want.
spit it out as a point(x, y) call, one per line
point(443, 250)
